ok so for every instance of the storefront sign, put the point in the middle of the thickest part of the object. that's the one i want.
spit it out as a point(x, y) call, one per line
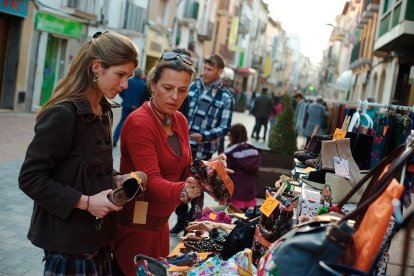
point(15, 7)
point(58, 25)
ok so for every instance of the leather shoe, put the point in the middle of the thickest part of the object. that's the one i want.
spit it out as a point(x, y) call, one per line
point(303, 155)
point(132, 185)
point(312, 162)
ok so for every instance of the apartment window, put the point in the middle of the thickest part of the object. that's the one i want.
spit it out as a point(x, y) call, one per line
point(162, 12)
point(387, 5)
point(73, 3)
point(134, 18)
point(191, 10)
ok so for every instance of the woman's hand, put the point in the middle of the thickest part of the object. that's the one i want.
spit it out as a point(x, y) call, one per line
point(118, 179)
point(223, 158)
point(98, 205)
point(192, 188)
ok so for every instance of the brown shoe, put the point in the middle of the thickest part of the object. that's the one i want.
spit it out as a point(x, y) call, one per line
point(131, 187)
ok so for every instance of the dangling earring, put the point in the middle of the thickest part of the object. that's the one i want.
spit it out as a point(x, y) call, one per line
point(95, 79)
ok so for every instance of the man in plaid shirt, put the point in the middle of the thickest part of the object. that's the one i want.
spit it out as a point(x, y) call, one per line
point(210, 109)
point(209, 117)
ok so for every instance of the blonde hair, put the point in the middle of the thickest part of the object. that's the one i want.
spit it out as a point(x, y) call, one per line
point(111, 49)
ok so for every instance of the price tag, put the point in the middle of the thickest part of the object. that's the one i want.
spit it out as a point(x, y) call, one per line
point(341, 167)
point(269, 205)
point(212, 216)
point(308, 170)
point(140, 212)
point(339, 134)
point(384, 130)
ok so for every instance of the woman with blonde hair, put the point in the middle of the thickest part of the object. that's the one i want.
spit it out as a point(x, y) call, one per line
point(68, 166)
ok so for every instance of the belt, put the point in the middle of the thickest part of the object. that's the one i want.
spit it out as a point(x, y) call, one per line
point(86, 256)
point(152, 223)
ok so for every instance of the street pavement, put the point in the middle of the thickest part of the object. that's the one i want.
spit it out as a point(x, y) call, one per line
point(17, 255)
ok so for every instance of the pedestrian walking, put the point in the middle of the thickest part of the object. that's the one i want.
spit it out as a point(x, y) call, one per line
point(263, 106)
point(316, 115)
point(300, 115)
point(132, 98)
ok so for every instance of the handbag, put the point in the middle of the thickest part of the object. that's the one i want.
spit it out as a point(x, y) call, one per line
point(300, 250)
point(148, 266)
point(368, 239)
point(260, 244)
point(239, 238)
point(213, 177)
point(239, 264)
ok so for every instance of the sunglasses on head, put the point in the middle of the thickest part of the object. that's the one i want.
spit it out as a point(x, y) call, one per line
point(174, 55)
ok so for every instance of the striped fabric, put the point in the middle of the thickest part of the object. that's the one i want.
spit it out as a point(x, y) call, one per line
point(94, 264)
point(210, 113)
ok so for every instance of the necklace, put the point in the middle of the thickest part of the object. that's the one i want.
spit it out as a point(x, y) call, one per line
point(166, 121)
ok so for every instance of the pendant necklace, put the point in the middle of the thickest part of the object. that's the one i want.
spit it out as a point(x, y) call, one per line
point(166, 121)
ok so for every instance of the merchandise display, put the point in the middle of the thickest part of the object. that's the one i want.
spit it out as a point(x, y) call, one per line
point(303, 227)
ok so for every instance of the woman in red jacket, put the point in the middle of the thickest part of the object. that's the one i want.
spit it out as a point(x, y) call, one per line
point(155, 138)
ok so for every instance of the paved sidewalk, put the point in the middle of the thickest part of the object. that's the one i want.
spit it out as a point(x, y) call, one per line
point(17, 255)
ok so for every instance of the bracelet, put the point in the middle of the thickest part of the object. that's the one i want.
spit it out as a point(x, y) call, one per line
point(87, 204)
point(184, 196)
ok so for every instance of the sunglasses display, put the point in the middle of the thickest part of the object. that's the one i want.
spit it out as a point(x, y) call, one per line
point(174, 55)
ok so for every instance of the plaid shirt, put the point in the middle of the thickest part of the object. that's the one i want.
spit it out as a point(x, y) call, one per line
point(210, 113)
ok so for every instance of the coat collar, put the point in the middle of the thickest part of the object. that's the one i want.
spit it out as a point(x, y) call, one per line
point(84, 107)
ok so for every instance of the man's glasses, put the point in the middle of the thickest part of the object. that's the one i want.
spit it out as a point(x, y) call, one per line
point(174, 55)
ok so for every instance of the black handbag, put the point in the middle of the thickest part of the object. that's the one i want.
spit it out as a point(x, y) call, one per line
point(240, 237)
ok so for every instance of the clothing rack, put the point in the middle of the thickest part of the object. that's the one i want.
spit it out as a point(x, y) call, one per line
point(363, 103)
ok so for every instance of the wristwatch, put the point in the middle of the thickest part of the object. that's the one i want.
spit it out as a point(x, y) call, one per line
point(184, 196)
